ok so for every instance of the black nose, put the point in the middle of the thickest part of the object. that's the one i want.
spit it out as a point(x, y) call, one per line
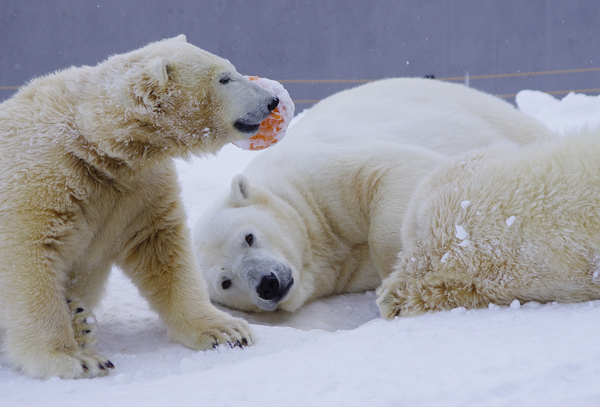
point(274, 103)
point(268, 287)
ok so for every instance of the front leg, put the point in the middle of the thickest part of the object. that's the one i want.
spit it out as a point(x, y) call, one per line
point(160, 262)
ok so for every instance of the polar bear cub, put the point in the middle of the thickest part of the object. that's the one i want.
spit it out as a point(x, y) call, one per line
point(87, 182)
point(321, 213)
point(502, 224)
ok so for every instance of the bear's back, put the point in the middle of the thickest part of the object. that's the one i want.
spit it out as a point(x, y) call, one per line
point(422, 112)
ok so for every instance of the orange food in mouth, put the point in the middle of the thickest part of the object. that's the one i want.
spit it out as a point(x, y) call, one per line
point(273, 128)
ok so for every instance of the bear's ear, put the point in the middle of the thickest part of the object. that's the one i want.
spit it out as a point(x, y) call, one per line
point(151, 84)
point(159, 72)
point(240, 188)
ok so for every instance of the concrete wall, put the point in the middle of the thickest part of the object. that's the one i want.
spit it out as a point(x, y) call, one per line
point(338, 40)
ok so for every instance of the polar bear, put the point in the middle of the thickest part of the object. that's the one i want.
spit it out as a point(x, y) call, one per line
point(500, 225)
point(321, 213)
point(87, 181)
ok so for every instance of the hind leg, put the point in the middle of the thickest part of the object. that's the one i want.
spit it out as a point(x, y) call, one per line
point(53, 349)
point(39, 338)
point(406, 295)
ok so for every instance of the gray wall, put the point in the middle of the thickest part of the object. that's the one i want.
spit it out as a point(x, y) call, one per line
point(316, 40)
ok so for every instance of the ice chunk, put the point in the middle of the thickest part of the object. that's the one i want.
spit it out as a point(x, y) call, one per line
point(465, 204)
point(515, 304)
point(458, 310)
point(461, 233)
point(510, 221)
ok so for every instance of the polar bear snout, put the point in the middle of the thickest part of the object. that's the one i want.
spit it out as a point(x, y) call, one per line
point(270, 289)
point(269, 280)
point(250, 123)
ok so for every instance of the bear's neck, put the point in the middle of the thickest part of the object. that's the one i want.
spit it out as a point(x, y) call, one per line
point(109, 133)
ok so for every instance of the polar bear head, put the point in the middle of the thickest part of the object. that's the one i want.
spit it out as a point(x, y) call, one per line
point(174, 98)
point(249, 248)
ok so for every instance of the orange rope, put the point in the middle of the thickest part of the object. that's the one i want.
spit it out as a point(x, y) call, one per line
point(455, 78)
point(511, 75)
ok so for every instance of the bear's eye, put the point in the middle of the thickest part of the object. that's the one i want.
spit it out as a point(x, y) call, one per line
point(224, 80)
point(226, 284)
point(249, 239)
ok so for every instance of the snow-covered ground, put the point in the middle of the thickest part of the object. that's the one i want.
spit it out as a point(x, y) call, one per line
point(338, 352)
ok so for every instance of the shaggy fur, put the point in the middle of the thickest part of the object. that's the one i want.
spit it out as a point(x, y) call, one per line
point(87, 182)
point(502, 224)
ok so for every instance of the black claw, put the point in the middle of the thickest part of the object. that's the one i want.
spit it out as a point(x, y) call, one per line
point(109, 364)
point(69, 301)
point(215, 344)
point(238, 344)
point(101, 367)
point(79, 310)
point(85, 368)
point(244, 342)
point(86, 331)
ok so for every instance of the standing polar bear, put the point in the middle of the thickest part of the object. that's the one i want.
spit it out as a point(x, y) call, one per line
point(497, 225)
point(321, 213)
point(87, 181)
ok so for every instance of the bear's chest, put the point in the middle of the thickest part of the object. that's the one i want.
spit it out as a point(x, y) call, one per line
point(108, 225)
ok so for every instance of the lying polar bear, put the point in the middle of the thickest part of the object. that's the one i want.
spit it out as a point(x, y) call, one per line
point(321, 213)
point(502, 224)
point(88, 181)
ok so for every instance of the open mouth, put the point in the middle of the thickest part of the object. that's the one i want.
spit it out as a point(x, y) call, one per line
point(246, 127)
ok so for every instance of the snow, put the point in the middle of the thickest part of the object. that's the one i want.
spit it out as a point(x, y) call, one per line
point(574, 111)
point(461, 233)
point(465, 243)
point(337, 351)
point(510, 221)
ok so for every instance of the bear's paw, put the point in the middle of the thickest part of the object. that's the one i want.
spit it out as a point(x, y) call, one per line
point(84, 324)
point(215, 330)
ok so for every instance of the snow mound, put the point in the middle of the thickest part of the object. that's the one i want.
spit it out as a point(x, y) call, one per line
point(573, 112)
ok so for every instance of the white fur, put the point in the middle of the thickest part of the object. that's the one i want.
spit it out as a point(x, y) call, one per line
point(533, 224)
point(325, 206)
point(87, 181)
